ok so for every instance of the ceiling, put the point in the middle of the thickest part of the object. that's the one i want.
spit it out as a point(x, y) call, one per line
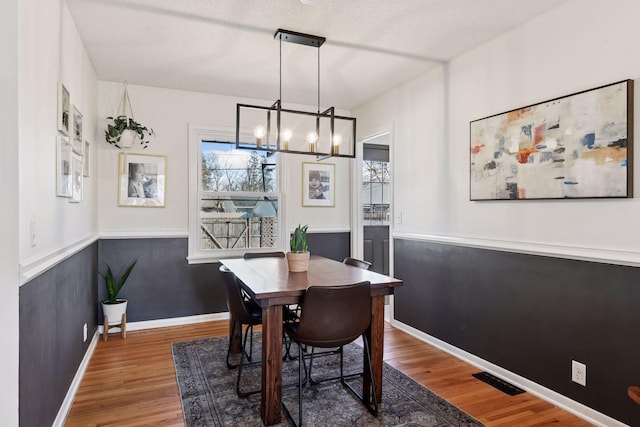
point(227, 46)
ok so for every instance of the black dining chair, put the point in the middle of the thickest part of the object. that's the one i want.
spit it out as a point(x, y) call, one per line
point(333, 316)
point(365, 265)
point(249, 255)
point(244, 311)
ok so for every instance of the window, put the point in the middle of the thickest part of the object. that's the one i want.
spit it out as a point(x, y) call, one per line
point(236, 205)
point(376, 185)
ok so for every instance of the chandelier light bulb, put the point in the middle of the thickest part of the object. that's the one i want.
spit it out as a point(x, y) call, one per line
point(312, 137)
point(259, 131)
point(336, 139)
point(286, 137)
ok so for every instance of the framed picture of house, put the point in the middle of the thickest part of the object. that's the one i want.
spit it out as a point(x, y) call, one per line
point(77, 131)
point(576, 146)
point(63, 167)
point(76, 178)
point(142, 180)
point(318, 184)
point(64, 110)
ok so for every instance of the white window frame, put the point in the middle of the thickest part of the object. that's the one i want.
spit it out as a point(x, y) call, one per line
point(196, 255)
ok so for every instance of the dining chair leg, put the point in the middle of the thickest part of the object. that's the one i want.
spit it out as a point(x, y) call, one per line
point(300, 367)
point(243, 394)
point(230, 365)
point(373, 410)
point(301, 383)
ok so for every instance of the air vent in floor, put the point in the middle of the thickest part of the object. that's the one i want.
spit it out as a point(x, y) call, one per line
point(496, 382)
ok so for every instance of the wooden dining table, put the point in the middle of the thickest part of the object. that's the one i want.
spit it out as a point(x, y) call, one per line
point(269, 282)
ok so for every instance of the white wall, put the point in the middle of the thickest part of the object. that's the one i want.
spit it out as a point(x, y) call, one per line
point(51, 51)
point(9, 214)
point(169, 113)
point(580, 45)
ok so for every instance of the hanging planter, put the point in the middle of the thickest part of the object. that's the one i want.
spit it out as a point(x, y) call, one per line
point(123, 131)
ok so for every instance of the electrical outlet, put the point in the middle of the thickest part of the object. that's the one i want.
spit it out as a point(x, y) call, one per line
point(85, 332)
point(579, 373)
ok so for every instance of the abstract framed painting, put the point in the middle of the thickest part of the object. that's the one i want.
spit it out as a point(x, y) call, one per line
point(573, 147)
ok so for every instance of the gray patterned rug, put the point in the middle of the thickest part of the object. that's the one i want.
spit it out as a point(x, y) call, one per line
point(207, 390)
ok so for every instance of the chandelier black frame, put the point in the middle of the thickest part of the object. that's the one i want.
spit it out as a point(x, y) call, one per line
point(323, 138)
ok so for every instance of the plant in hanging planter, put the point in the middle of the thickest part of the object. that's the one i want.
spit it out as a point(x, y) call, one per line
point(114, 309)
point(298, 257)
point(124, 131)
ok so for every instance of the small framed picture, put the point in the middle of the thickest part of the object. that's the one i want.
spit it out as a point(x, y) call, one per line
point(64, 110)
point(63, 167)
point(76, 178)
point(142, 180)
point(77, 131)
point(86, 159)
point(318, 184)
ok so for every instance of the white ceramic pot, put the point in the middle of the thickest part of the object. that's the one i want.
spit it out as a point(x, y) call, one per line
point(129, 138)
point(114, 311)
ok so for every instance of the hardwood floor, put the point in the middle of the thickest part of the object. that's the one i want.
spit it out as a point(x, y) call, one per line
point(132, 382)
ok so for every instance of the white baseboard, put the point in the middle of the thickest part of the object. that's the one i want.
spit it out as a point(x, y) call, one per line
point(71, 393)
point(588, 414)
point(163, 323)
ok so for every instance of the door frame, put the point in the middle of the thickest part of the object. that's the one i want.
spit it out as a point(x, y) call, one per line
point(357, 220)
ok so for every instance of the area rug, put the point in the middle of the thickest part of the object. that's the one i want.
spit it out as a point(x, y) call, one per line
point(207, 390)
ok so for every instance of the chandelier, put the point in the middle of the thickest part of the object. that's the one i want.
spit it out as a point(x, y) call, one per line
point(276, 129)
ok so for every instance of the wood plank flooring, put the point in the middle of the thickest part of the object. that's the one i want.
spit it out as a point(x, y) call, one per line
point(132, 382)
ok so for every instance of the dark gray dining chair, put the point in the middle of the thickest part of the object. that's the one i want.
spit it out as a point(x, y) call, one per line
point(243, 311)
point(365, 265)
point(249, 255)
point(333, 316)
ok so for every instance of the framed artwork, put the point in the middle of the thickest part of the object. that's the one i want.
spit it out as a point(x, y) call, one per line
point(318, 184)
point(63, 167)
point(64, 109)
point(77, 131)
point(76, 178)
point(142, 180)
point(576, 146)
point(86, 159)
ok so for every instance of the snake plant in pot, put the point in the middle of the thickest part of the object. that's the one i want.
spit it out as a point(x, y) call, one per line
point(298, 257)
point(114, 309)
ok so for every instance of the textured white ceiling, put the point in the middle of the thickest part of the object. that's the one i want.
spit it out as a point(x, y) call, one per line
point(227, 46)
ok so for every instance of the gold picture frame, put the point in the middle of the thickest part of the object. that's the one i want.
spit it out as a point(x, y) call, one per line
point(142, 180)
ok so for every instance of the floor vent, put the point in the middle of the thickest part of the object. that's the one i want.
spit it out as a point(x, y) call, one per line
point(496, 382)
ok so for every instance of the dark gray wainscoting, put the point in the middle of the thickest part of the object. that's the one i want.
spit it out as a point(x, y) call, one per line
point(163, 284)
point(53, 309)
point(530, 315)
point(330, 245)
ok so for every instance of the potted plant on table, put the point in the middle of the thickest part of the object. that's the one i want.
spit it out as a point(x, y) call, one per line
point(114, 309)
point(298, 257)
point(123, 131)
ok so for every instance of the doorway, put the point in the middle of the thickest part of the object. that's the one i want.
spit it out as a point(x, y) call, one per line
point(376, 209)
